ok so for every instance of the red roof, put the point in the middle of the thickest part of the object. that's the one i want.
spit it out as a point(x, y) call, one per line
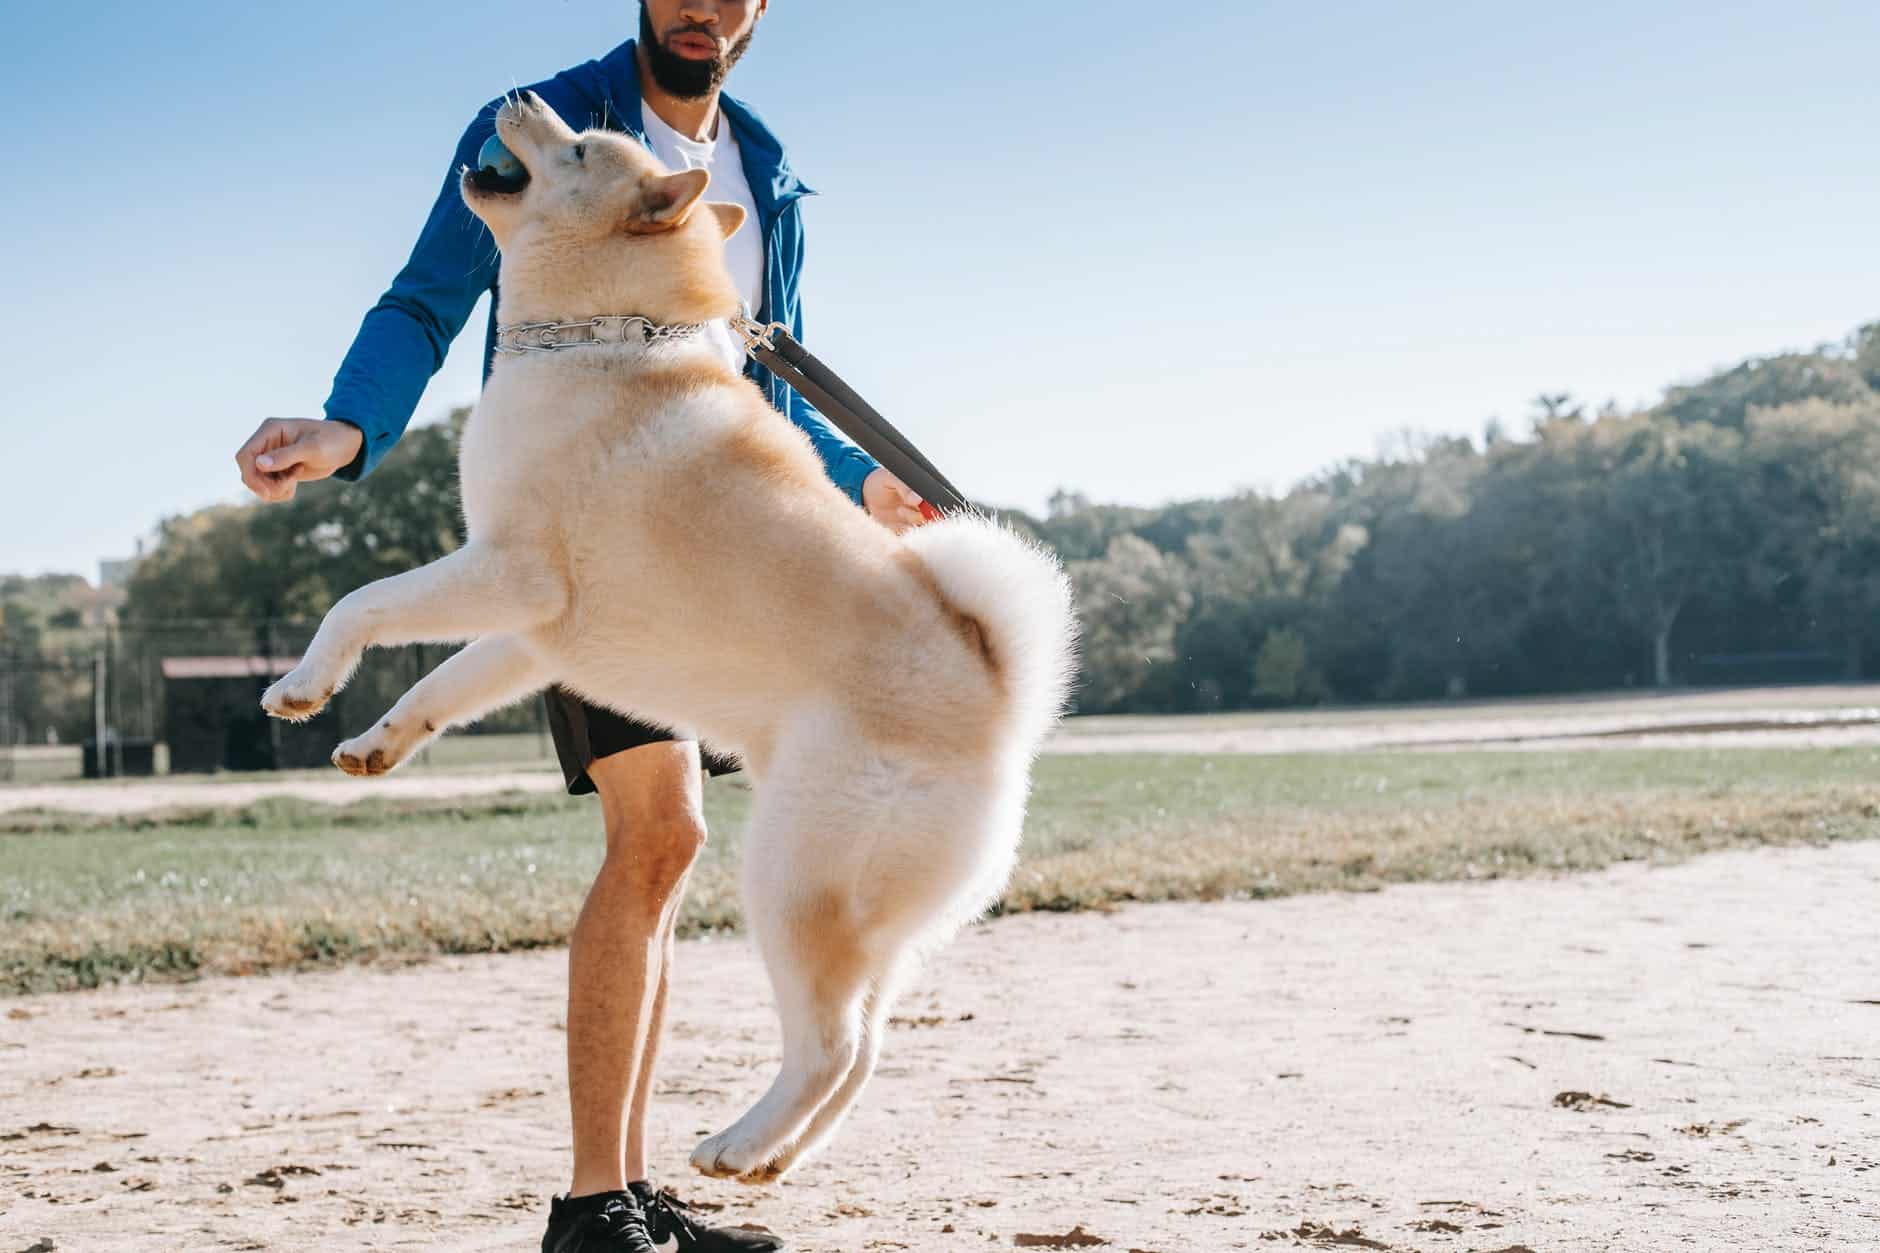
point(226, 667)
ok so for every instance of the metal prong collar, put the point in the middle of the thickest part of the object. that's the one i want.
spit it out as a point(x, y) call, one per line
point(607, 328)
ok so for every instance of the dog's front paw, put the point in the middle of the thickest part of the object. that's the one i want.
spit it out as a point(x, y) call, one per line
point(369, 754)
point(727, 1155)
point(295, 697)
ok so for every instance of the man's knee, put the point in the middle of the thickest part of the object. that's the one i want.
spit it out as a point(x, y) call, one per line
point(654, 852)
point(652, 801)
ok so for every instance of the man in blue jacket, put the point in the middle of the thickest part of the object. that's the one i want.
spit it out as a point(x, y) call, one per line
point(664, 89)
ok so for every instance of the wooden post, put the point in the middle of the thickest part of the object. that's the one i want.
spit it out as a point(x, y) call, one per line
point(97, 712)
point(274, 724)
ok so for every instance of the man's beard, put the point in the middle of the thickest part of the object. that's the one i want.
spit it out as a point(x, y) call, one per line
point(684, 77)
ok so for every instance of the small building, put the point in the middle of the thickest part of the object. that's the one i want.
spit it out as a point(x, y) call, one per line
point(213, 718)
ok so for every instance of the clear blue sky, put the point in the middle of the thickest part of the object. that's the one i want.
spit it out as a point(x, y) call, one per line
point(1138, 250)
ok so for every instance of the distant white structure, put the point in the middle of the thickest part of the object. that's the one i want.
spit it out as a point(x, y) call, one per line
point(116, 572)
point(100, 608)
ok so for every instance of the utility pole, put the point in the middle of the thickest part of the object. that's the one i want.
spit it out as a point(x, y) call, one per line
point(7, 737)
point(97, 712)
point(267, 666)
point(116, 696)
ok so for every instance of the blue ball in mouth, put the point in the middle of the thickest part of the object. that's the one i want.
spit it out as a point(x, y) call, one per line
point(497, 168)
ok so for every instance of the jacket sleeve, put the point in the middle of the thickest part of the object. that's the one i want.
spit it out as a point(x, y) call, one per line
point(406, 335)
point(848, 466)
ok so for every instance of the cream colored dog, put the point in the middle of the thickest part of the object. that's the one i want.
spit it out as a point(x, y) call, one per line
point(646, 530)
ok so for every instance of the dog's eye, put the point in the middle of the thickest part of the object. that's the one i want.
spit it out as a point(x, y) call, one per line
point(580, 152)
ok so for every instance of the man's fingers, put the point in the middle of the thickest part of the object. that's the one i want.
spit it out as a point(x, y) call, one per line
point(254, 480)
point(267, 435)
point(283, 481)
point(271, 475)
point(913, 507)
point(274, 490)
point(907, 505)
point(901, 520)
point(285, 458)
point(907, 494)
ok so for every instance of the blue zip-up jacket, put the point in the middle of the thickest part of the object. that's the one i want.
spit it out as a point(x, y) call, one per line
point(405, 335)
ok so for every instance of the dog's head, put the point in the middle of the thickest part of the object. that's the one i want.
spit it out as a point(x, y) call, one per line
point(601, 227)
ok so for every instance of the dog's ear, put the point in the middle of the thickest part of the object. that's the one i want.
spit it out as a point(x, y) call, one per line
point(730, 216)
point(666, 202)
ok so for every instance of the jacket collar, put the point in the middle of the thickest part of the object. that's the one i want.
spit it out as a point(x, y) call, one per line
point(773, 183)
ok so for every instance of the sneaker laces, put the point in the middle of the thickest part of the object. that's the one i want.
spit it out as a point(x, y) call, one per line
point(621, 1220)
point(668, 1217)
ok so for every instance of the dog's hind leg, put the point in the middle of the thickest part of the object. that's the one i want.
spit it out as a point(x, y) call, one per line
point(855, 862)
point(876, 1010)
point(821, 973)
point(477, 590)
point(937, 864)
point(488, 674)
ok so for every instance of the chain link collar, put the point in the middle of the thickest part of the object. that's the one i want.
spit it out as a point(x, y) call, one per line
point(609, 328)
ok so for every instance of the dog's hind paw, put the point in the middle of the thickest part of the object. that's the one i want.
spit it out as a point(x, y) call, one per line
point(293, 699)
point(780, 1164)
point(721, 1157)
point(769, 1172)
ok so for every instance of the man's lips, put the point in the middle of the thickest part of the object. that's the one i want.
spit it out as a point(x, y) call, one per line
point(698, 47)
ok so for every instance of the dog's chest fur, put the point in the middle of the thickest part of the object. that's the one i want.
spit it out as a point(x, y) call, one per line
point(707, 555)
point(561, 443)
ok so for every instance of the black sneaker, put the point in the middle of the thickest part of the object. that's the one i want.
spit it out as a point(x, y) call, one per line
point(669, 1218)
point(606, 1222)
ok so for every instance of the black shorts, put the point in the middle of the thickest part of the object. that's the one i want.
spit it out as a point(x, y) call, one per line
point(585, 733)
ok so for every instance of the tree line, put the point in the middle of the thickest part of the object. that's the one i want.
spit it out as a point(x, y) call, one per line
point(1729, 532)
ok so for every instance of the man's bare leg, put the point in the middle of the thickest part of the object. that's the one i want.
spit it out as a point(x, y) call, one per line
point(636, 1168)
point(652, 802)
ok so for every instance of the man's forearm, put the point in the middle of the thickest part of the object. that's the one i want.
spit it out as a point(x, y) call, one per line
point(378, 385)
point(847, 466)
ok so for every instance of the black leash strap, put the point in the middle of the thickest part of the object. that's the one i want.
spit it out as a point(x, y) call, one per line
point(778, 351)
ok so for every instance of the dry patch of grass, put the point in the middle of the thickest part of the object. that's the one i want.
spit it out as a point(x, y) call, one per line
point(289, 884)
point(1281, 853)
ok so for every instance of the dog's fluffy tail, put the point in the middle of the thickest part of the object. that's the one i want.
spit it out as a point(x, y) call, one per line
point(1017, 592)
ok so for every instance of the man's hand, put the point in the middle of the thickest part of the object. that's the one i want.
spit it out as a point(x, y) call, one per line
point(284, 452)
point(890, 502)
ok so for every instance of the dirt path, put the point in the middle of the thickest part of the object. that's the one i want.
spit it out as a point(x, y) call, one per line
point(135, 796)
point(1386, 1068)
point(1746, 717)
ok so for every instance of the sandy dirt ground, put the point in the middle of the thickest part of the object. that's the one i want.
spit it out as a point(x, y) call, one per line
point(1744, 717)
point(1683, 1058)
point(1820, 716)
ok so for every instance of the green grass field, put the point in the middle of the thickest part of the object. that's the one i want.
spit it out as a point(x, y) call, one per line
point(289, 884)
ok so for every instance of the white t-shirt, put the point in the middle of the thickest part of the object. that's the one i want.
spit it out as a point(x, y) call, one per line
point(719, 157)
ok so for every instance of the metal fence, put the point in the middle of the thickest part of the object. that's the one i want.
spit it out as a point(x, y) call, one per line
point(106, 688)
